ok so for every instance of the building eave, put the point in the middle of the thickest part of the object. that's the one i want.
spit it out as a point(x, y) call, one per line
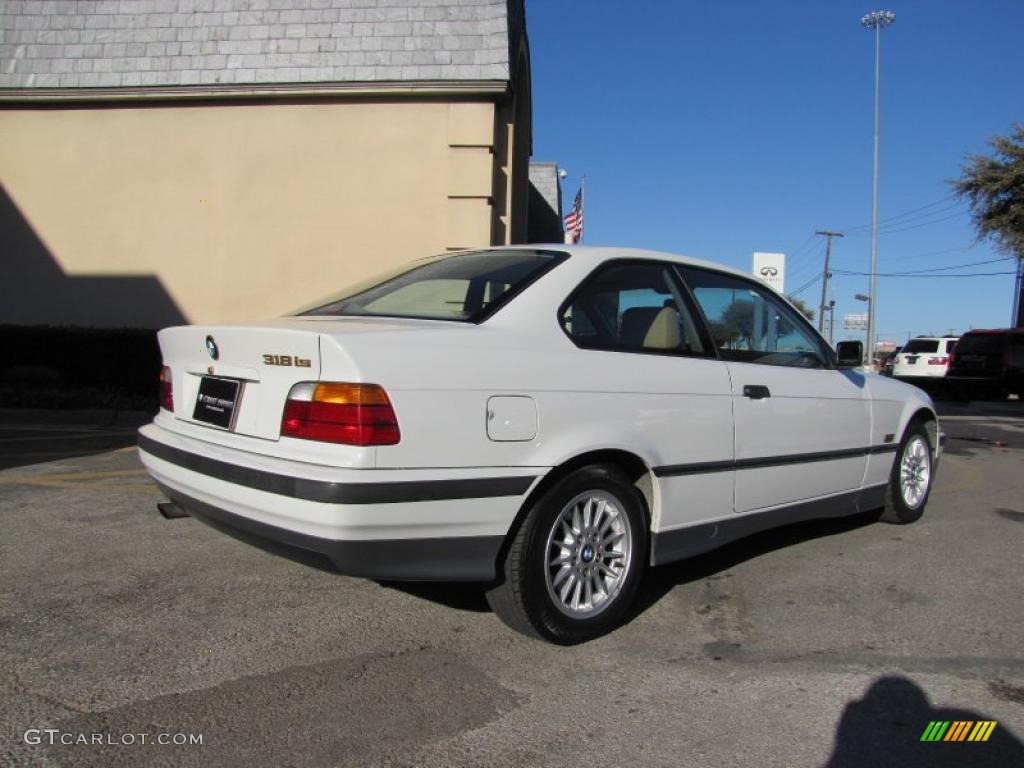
point(486, 89)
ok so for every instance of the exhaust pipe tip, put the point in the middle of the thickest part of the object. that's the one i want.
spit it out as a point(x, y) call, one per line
point(171, 510)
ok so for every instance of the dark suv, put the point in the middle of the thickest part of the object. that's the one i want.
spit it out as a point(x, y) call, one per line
point(988, 364)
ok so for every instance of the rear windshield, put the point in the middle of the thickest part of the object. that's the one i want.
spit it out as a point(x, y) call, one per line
point(466, 287)
point(921, 346)
point(980, 344)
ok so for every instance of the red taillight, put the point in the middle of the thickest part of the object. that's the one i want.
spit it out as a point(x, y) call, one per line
point(166, 390)
point(938, 361)
point(353, 414)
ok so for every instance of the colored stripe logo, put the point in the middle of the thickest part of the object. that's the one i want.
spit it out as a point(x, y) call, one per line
point(959, 730)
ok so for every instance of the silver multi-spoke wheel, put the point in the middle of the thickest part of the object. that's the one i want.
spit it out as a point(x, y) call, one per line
point(588, 554)
point(576, 560)
point(915, 471)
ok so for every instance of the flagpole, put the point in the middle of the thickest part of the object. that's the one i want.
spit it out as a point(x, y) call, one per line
point(583, 204)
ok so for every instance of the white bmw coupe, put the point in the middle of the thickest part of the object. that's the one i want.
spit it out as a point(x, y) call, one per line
point(549, 420)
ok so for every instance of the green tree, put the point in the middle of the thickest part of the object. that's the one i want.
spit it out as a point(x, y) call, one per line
point(738, 321)
point(802, 306)
point(993, 186)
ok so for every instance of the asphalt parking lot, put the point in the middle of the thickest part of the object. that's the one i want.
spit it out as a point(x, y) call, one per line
point(824, 644)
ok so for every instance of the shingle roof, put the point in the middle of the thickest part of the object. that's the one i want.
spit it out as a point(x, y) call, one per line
point(114, 43)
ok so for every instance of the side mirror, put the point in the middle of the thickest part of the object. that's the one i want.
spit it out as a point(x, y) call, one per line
point(849, 354)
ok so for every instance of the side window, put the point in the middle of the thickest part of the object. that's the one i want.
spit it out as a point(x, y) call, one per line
point(633, 306)
point(750, 325)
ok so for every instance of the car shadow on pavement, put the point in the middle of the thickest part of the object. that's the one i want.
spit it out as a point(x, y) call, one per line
point(470, 596)
point(887, 725)
point(461, 595)
point(663, 579)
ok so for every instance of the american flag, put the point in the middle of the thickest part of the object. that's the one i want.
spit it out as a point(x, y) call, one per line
point(574, 219)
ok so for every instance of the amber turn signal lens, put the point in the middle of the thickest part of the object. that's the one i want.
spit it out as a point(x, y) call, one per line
point(350, 394)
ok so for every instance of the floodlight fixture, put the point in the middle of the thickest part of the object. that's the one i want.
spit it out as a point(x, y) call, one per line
point(877, 19)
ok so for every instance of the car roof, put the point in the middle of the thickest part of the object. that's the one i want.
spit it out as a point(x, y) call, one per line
point(994, 330)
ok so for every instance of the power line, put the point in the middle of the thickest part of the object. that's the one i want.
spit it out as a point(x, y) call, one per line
point(889, 219)
point(800, 262)
point(896, 228)
point(805, 286)
point(935, 269)
point(961, 249)
point(912, 219)
point(802, 245)
point(911, 274)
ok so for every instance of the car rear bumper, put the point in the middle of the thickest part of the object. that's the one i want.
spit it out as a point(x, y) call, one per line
point(977, 378)
point(914, 373)
point(436, 524)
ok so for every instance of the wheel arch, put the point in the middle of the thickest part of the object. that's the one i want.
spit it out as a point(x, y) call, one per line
point(634, 467)
point(930, 420)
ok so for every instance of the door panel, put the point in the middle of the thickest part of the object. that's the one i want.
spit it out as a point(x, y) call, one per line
point(801, 427)
point(635, 324)
point(780, 439)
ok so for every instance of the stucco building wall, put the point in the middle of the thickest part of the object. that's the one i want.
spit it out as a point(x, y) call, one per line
point(240, 211)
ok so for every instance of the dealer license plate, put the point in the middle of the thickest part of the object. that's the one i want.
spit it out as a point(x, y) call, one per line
point(217, 401)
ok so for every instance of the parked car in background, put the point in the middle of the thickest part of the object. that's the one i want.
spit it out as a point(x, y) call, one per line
point(925, 357)
point(890, 361)
point(548, 420)
point(988, 363)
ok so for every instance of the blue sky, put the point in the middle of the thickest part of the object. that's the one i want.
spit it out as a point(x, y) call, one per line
point(716, 129)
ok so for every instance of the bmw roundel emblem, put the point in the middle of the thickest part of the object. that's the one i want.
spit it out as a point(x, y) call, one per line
point(211, 347)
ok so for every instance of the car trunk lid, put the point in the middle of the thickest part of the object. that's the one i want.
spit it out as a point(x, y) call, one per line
point(256, 366)
point(237, 378)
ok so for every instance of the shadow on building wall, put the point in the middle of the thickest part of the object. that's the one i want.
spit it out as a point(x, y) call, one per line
point(544, 205)
point(74, 342)
point(35, 290)
point(545, 225)
point(885, 728)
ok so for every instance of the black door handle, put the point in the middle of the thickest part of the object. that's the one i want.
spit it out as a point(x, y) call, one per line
point(756, 391)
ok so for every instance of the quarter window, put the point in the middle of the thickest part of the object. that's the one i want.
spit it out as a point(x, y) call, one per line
point(633, 306)
point(750, 325)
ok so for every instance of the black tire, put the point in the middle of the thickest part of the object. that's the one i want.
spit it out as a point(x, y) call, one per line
point(526, 598)
point(898, 508)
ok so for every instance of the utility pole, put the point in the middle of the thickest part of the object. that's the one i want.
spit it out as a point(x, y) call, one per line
point(825, 275)
point(1018, 304)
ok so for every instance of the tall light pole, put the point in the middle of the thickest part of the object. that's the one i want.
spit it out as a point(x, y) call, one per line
point(876, 20)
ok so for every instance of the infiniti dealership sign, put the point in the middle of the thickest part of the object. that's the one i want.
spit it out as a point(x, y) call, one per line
point(771, 268)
